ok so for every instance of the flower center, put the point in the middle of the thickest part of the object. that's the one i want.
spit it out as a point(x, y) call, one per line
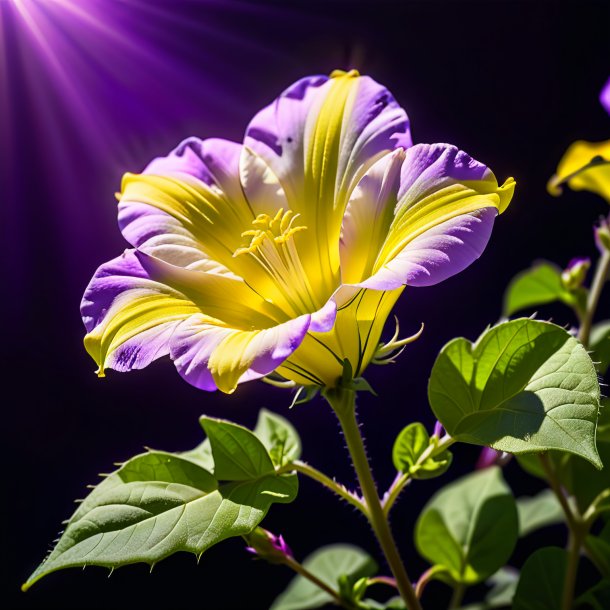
point(272, 246)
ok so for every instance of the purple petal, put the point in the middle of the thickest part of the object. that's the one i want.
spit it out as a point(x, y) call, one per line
point(604, 96)
point(437, 254)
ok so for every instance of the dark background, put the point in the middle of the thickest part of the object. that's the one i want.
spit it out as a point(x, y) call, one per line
point(513, 83)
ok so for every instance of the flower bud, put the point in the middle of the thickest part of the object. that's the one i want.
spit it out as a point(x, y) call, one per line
point(602, 234)
point(575, 273)
point(267, 546)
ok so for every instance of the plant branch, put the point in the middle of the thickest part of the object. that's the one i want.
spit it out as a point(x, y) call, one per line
point(299, 568)
point(574, 520)
point(599, 279)
point(326, 481)
point(343, 402)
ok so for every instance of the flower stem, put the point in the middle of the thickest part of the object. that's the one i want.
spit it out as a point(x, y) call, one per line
point(599, 279)
point(578, 531)
point(343, 402)
point(569, 582)
point(326, 481)
point(458, 595)
point(294, 565)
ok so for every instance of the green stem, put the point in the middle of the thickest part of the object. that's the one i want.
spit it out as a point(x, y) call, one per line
point(599, 279)
point(458, 595)
point(343, 402)
point(578, 531)
point(294, 565)
point(326, 481)
point(569, 583)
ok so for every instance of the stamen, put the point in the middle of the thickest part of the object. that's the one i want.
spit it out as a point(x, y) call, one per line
point(272, 246)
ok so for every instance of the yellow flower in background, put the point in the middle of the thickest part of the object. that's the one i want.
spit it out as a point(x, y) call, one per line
point(585, 166)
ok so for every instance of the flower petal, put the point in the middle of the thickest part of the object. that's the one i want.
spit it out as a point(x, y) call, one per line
point(604, 96)
point(318, 138)
point(129, 316)
point(210, 357)
point(438, 183)
point(437, 254)
point(584, 166)
point(188, 208)
point(355, 336)
point(368, 217)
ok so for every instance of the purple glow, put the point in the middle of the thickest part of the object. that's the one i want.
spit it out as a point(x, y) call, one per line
point(94, 85)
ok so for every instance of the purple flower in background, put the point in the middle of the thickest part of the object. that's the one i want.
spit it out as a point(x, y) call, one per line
point(604, 96)
point(287, 252)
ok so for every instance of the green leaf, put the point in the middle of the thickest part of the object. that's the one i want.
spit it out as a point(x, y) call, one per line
point(503, 585)
point(409, 447)
point(238, 454)
point(541, 583)
point(329, 564)
point(279, 437)
point(600, 345)
point(159, 503)
point(598, 548)
point(469, 527)
point(524, 386)
point(538, 511)
point(539, 285)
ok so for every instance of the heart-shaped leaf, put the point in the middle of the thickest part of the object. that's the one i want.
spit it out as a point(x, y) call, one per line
point(523, 386)
point(409, 447)
point(329, 564)
point(159, 503)
point(470, 527)
point(539, 285)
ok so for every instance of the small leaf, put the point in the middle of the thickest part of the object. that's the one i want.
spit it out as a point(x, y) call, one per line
point(524, 386)
point(279, 437)
point(238, 454)
point(469, 527)
point(600, 345)
point(329, 564)
point(538, 511)
point(539, 285)
point(541, 583)
point(159, 503)
point(409, 447)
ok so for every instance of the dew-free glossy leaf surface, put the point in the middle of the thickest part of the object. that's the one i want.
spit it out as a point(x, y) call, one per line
point(469, 527)
point(523, 386)
point(279, 436)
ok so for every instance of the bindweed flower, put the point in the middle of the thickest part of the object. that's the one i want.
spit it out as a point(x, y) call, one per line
point(286, 253)
point(573, 276)
point(585, 165)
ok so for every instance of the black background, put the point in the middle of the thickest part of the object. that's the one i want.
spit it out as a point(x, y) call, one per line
point(513, 83)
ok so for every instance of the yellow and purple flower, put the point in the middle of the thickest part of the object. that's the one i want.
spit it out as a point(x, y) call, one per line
point(286, 253)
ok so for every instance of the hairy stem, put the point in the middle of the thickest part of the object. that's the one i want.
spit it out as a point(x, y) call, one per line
point(343, 402)
point(569, 583)
point(599, 279)
point(326, 481)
